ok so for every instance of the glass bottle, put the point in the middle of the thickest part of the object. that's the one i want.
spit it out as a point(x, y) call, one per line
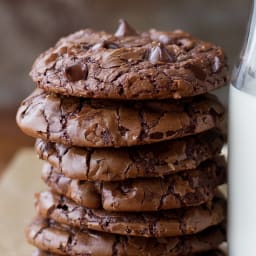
point(242, 149)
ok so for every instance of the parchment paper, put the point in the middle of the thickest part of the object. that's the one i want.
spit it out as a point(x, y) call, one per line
point(18, 184)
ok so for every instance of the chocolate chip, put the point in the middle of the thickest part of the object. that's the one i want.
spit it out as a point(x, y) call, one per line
point(97, 46)
point(124, 29)
point(196, 70)
point(110, 45)
point(160, 54)
point(76, 72)
point(106, 45)
point(216, 64)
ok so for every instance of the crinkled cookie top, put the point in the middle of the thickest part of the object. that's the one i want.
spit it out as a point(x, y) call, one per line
point(131, 65)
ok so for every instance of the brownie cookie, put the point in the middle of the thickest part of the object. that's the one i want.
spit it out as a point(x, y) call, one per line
point(188, 188)
point(49, 236)
point(209, 253)
point(95, 123)
point(129, 65)
point(111, 164)
point(176, 222)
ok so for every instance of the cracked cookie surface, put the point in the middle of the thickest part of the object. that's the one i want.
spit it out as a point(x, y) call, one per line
point(169, 223)
point(96, 123)
point(50, 236)
point(111, 164)
point(131, 65)
point(183, 189)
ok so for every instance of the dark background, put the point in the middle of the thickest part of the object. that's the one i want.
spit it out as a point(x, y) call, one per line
point(30, 26)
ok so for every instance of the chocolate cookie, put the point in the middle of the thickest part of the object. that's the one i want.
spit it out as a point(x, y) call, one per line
point(177, 222)
point(129, 65)
point(49, 236)
point(90, 123)
point(188, 188)
point(209, 253)
point(112, 164)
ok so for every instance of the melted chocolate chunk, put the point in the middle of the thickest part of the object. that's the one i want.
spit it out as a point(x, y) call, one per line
point(197, 71)
point(76, 72)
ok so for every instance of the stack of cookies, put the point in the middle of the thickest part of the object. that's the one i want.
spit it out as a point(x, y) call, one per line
point(131, 141)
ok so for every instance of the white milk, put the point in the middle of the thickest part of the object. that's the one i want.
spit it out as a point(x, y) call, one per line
point(242, 173)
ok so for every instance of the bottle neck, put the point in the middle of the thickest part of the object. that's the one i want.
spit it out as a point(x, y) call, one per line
point(250, 43)
point(244, 76)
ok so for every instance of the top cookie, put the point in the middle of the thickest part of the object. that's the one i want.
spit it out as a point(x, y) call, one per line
point(130, 65)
